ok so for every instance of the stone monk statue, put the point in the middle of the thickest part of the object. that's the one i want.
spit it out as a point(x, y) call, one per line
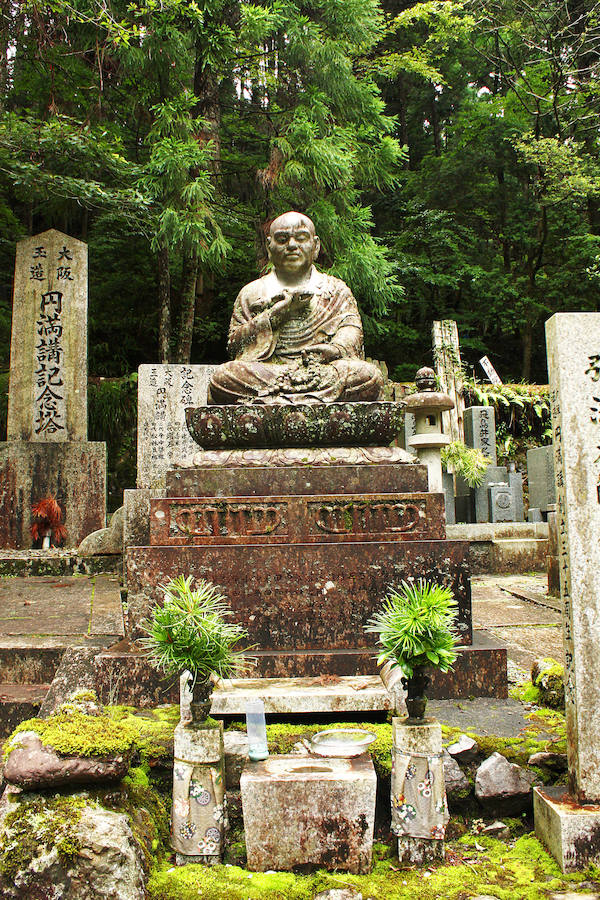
point(295, 333)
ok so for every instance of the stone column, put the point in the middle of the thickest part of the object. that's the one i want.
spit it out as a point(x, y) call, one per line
point(419, 806)
point(198, 817)
point(569, 822)
point(47, 451)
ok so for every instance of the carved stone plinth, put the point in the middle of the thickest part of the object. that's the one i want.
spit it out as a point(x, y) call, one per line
point(299, 425)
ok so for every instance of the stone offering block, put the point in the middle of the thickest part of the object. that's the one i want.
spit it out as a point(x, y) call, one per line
point(262, 481)
point(570, 831)
point(298, 425)
point(302, 596)
point(277, 520)
point(74, 472)
point(303, 812)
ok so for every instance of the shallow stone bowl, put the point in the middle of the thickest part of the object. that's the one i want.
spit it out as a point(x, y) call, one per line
point(341, 742)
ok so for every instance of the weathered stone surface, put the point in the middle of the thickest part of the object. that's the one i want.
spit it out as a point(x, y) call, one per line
point(302, 812)
point(105, 540)
point(75, 673)
point(164, 392)
point(574, 370)
point(463, 750)
point(419, 851)
point(17, 703)
point(47, 396)
point(457, 783)
point(301, 425)
point(548, 676)
point(498, 830)
point(264, 481)
point(56, 562)
point(570, 831)
point(74, 472)
point(295, 597)
point(136, 524)
point(554, 762)
point(108, 865)
point(283, 457)
point(503, 786)
point(236, 757)
point(30, 766)
point(294, 519)
point(540, 476)
point(124, 675)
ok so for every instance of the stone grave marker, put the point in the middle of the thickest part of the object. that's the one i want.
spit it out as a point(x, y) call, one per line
point(448, 368)
point(47, 451)
point(164, 392)
point(163, 440)
point(480, 430)
point(540, 473)
point(568, 822)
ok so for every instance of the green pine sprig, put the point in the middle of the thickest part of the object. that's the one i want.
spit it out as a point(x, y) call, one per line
point(190, 631)
point(415, 627)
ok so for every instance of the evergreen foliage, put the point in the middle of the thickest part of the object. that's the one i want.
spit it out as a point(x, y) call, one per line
point(414, 627)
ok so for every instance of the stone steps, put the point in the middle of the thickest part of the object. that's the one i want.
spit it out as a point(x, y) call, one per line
point(19, 702)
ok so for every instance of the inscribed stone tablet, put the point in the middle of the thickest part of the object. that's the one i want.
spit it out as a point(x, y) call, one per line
point(164, 392)
point(480, 430)
point(47, 398)
point(573, 341)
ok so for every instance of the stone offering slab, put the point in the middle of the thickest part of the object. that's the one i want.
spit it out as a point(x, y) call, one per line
point(295, 425)
point(263, 481)
point(294, 519)
point(303, 456)
point(309, 811)
point(302, 596)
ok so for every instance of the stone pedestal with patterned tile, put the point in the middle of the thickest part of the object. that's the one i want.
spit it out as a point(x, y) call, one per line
point(419, 806)
point(198, 815)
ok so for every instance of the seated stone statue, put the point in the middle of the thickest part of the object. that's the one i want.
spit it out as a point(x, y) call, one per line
point(296, 333)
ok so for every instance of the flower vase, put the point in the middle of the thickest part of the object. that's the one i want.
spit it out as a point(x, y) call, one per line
point(415, 700)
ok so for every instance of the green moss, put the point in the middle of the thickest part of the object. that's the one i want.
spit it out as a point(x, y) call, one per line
point(34, 827)
point(525, 692)
point(71, 732)
point(153, 729)
point(477, 865)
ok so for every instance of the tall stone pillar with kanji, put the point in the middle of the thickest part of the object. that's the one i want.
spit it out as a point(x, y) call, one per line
point(47, 452)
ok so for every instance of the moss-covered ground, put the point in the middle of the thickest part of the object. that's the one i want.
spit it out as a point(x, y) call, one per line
point(474, 865)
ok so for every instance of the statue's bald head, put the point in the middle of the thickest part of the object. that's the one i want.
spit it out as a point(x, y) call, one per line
point(292, 219)
point(293, 246)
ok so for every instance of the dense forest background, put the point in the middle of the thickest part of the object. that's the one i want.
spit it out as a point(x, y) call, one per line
point(448, 153)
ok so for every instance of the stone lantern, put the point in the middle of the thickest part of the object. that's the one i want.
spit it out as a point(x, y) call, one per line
point(427, 406)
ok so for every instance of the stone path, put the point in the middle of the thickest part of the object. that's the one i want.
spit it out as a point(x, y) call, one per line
point(40, 617)
point(518, 610)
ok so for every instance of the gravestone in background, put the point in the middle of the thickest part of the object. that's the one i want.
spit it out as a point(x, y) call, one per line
point(568, 821)
point(163, 440)
point(47, 451)
point(480, 430)
point(540, 474)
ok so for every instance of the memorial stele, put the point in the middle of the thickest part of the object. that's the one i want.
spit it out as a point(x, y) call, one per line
point(568, 821)
point(47, 451)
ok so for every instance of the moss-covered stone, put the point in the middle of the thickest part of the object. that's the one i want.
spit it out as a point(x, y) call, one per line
point(73, 733)
point(547, 676)
point(476, 865)
point(34, 826)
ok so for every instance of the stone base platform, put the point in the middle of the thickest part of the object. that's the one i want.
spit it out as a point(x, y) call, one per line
point(72, 471)
point(123, 675)
point(570, 831)
point(300, 597)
